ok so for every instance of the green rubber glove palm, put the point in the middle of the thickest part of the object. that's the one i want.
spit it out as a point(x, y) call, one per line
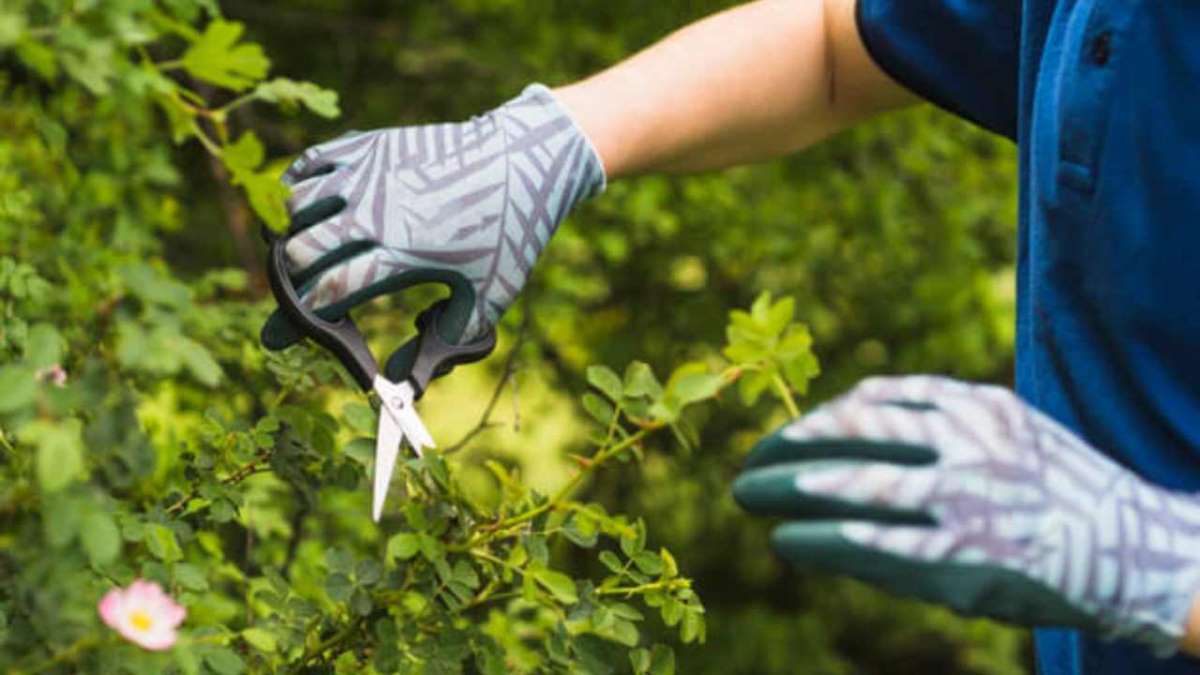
point(470, 205)
point(965, 496)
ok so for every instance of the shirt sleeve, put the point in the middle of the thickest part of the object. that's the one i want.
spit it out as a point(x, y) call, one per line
point(961, 55)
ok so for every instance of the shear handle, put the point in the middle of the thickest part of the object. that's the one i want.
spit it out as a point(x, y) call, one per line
point(340, 337)
point(436, 356)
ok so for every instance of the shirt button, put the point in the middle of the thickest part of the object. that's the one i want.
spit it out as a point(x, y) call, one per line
point(1100, 50)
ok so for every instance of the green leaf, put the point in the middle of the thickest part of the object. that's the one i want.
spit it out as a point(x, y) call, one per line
point(779, 315)
point(402, 546)
point(611, 561)
point(360, 602)
point(61, 518)
point(290, 94)
point(43, 346)
point(670, 568)
point(633, 543)
point(431, 549)
point(100, 537)
point(259, 638)
point(604, 379)
point(361, 450)
point(267, 197)
point(191, 577)
point(361, 418)
point(639, 660)
point(217, 58)
point(40, 58)
point(648, 562)
point(368, 571)
point(760, 310)
point(465, 574)
point(625, 611)
point(692, 628)
point(619, 631)
point(692, 382)
point(245, 154)
point(672, 611)
point(91, 66)
point(224, 661)
point(198, 361)
point(18, 387)
point(12, 27)
point(582, 530)
point(161, 541)
point(59, 451)
point(662, 660)
point(601, 410)
point(561, 586)
point(752, 385)
point(339, 587)
point(339, 560)
point(640, 381)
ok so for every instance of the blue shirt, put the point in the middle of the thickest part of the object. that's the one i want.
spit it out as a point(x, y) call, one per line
point(1103, 100)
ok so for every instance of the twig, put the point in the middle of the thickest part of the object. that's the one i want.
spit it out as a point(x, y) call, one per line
point(333, 641)
point(785, 395)
point(510, 368)
point(599, 459)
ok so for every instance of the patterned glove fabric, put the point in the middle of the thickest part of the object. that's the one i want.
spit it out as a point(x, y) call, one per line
point(470, 205)
point(964, 495)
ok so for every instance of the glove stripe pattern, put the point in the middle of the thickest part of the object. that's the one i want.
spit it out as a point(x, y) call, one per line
point(1012, 488)
point(481, 198)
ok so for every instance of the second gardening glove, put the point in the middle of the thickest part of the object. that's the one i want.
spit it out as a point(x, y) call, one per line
point(966, 496)
point(469, 204)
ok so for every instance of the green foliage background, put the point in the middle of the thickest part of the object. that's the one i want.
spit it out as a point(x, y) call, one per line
point(134, 262)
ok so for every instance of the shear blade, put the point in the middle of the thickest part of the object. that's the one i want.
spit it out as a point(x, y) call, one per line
point(398, 420)
point(387, 448)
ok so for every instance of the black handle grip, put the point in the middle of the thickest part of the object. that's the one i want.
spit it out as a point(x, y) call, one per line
point(436, 356)
point(340, 337)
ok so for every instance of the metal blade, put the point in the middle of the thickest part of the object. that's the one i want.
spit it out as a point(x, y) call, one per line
point(398, 400)
point(387, 447)
point(397, 421)
point(414, 427)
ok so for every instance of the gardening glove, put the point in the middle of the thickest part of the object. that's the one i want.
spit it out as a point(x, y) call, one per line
point(965, 496)
point(469, 205)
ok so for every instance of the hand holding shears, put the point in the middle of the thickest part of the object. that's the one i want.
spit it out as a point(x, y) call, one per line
point(398, 419)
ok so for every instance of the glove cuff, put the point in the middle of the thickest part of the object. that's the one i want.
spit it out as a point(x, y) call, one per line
point(537, 106)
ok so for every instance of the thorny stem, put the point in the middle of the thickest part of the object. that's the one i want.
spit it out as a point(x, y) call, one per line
point(259, 465)
point(666, 584)
point(599, 459)
point(332, 641)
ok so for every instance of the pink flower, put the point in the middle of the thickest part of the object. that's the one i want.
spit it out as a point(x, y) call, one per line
point(142, 614)
point(53, 374)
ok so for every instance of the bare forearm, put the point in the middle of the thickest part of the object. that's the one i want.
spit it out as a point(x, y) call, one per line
point(748, 84)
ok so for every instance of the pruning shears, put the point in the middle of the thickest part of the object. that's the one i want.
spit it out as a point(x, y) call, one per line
point(398, 419)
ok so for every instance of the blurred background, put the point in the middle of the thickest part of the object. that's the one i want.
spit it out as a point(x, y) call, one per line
point(897, 240)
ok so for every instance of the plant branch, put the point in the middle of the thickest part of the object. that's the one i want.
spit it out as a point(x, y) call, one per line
point(666, 584)
point(785, 395)
point(597, 460)
point(510, 368)
point(329, 643)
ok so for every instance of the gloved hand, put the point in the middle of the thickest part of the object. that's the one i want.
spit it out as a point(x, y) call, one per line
point(470, 205)
point(965, 496)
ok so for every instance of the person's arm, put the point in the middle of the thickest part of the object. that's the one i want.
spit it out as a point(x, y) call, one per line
point(754, 82)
